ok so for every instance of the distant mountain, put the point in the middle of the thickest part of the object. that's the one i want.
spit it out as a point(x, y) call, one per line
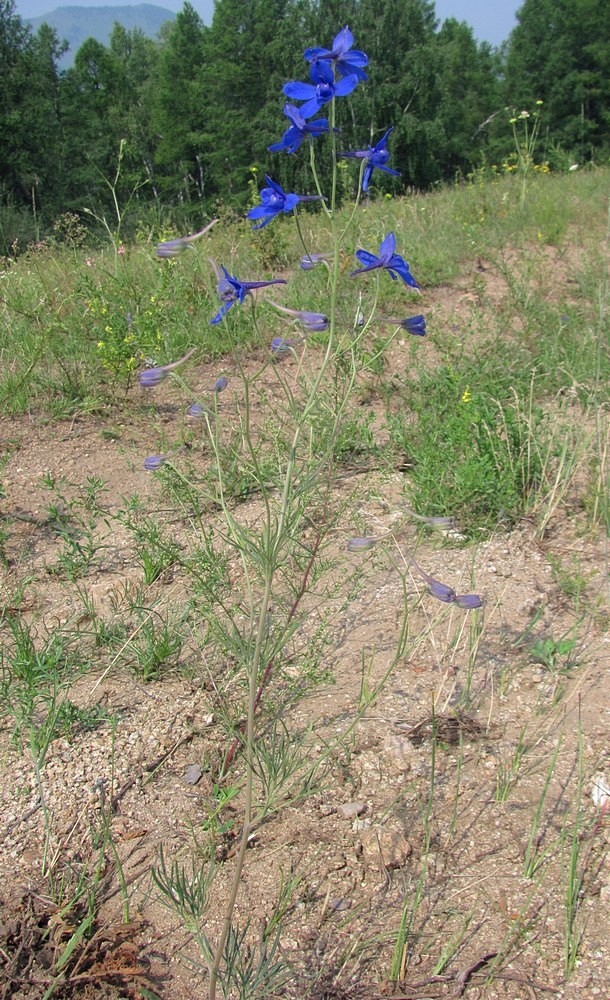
point(76, 24)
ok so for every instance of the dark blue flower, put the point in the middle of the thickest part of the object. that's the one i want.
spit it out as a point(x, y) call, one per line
point(294, 135)
point(231, 290)
point(415, 325)
point(151, 377)
point(347, 60)
point(220, 384)
point(322, 89)
point(375, 156)
point(173, 248)
point(275, 200)
point(310, 320)
point(387, 259)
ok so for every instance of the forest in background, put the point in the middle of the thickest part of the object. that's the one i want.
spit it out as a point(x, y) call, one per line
point(176, 129)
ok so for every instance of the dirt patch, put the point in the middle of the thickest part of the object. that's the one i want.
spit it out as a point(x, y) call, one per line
point(445, 828)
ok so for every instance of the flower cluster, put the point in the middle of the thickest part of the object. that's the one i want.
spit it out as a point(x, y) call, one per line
point(334, 73)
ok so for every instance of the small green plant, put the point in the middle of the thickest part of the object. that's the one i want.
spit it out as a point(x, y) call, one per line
point(508, 772)
point(554, 654)
point(155, 643)
point(526, 132)
point(535, 857)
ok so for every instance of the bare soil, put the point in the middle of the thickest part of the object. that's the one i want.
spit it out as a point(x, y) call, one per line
point(428, 807)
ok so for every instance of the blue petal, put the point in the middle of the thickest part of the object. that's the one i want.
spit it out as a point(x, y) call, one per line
point(382, 141)
point(321, 72)
point(348, 68)
point(346, 85)
point(317, 53)
point(388, 170)
point(311, 107)
point(388, 247)
point(274, 186)
point(402, 268)
point(292, 112)
point(299, 91)
point(222, 311)
point(368, 259)
point(342, 42)
point(262, 211)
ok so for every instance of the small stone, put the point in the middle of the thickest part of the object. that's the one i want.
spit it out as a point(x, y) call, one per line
point(193, 774)
point(385, 849)
point(349, 810)
point(337, 905)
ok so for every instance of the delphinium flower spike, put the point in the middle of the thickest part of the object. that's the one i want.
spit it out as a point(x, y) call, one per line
point(275, 200)
point(387, 259)
point(151, 377)
point(348, 61)
point(299, 130)
point(173, 248)
point(310, 320)
point(231, 290)
point(321, 90)
point(376, 157)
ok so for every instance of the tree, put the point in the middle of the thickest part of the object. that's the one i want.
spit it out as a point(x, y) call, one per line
point(467, 82)
point(177, 109)
point(29, 118)
point(559, 53)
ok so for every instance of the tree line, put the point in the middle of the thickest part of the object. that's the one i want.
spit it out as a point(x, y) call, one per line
point(194, 111)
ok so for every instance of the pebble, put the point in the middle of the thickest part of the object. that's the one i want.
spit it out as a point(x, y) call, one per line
point(349, 810)
point(193, 774)
point(385, 848)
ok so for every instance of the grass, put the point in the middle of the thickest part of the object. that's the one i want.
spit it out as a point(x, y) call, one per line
point(225, 571)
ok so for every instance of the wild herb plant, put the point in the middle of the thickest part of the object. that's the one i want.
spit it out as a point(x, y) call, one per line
point(307, 376)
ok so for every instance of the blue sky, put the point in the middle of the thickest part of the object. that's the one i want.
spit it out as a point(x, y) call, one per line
point(491, 22)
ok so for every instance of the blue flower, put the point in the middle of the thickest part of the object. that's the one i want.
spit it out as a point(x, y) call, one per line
point(415, 325)
point(275, 200)
point(231, 290)
point(362, 544)
point(322, 89)
point(151, 377)
point(387, 259)
point(347, 60)
point(173, 248)
point(310, 260)
point(294, 135)
point(447, 594)
point(199, 410)
point(310, 320)
point(280, 346)
point(153, 462)
point(375, 156)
